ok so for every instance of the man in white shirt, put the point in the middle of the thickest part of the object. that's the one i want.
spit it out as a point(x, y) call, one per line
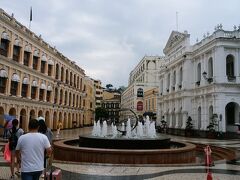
point(30, 148)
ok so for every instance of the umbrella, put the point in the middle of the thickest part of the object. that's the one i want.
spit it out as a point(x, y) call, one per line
point(41, 118)
point(8, 117)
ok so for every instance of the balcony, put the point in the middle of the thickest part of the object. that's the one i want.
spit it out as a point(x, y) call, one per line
point(197, 83)
point(231, 78)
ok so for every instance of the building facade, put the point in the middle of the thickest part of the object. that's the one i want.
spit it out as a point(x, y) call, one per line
point(36, 79)
point(150, 102)
point(201, 80)
point(89, 103)
point(98, 92)
point(142, 77)
point(112, 103)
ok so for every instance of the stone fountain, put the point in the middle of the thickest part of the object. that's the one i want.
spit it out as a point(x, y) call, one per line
point(125, 144)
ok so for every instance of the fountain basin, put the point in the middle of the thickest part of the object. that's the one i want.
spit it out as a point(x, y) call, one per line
point(126, 143)
point(65, 150)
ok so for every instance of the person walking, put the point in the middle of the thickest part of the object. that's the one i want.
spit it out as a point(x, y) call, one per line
point(30, 151)
point(59, 127)
point(13, 135)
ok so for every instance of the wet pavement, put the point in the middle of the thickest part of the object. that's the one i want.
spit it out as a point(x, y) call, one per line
point(223, 170)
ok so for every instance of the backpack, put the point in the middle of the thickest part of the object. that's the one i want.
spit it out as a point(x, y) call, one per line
point(13, 139)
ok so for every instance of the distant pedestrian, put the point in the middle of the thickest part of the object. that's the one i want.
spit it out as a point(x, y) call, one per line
point(59, 127)
point(30, 151)
point(48, 132)
point(13, 135)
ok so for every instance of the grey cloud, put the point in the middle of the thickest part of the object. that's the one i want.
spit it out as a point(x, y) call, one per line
point(108, 38)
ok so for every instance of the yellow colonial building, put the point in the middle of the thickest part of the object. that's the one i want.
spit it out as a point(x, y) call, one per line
point(37, 80)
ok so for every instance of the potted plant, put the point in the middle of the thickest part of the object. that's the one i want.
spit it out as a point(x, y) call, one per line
point(189, 127)
point(211, 133)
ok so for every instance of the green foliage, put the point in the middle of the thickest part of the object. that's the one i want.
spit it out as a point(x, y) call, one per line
point(101, 113)
point(108, 86)
point(189, 125)
point(213, 123)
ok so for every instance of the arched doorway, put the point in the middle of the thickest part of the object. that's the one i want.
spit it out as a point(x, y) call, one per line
point(199, 118)
point(47, 119)
point(12, 112)
point(55, 120)
point(69, 120)
point(40, 113)
point(23, 119)
point(32, 114)
point(60, 117)
point(65, 121)
point(232, 116)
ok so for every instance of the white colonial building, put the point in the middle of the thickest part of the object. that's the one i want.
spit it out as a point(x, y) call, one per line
point(142, 77)
point(201, 80)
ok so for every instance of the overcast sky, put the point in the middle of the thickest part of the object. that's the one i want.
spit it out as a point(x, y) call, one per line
point(107, 38)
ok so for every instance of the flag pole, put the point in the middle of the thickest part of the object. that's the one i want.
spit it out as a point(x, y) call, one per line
point(30, 18)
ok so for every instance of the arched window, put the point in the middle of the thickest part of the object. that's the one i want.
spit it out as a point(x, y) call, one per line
point(66, 98)
point(174, 80)
point(35, 59)
point(230, 67)
point(4, 46)
point(26, 55)
point(180, 78)
point(198, 73)
point(41, 91)
point(67, 80)
point(62, 74)
point(70, 99)
point(34, 89)
point(3, 80)
point(25, 84)
point(210, 68)
point(70, 78)
point(14, 84)
point(73, 100)
point(43, 63)
point(168, 82)
point(16, 52)
point(74, 80)
point(50, 67)
point(49, 93)
point(56, 95)
point(61, 96)
point(161, 86)
point(210, 113)
point(139, 106)
point(140, 92)
point(78, 85)
point(57, 72)
point(199, 117)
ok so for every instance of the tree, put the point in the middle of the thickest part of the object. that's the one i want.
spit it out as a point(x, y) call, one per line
point(101, 113)
point(189, 127)
point(108, 86)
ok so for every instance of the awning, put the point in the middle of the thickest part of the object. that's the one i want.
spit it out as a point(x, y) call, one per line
point(43, 86)
point(49, 88)
point(15, 77)
point(34, 83)
point(50, 62)
point(3, 73)
point(17, 42)
point(27, 48)
point(36, 53)
point(5, 36)
point(44, 58)
point(25, 80)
